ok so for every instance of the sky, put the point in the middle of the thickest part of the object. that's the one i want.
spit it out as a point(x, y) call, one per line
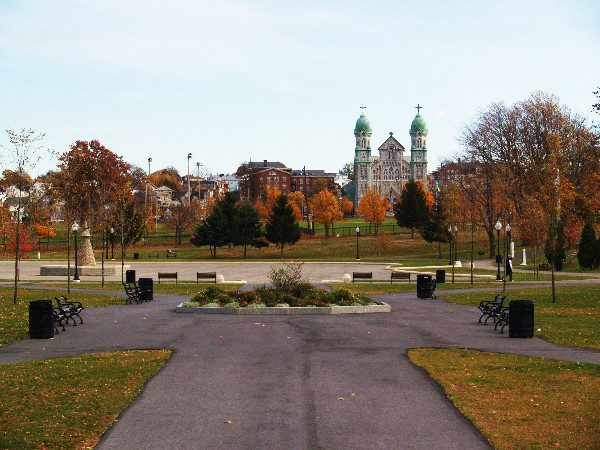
point(230, 81)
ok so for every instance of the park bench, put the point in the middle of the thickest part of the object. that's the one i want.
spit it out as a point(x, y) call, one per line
point(399, 276)
point(491, 308)
point(153, 255)
point(133, 293)
point(206, 276)
point(58, 317)
point(501, 317)
point(167, 276)
point(362, 276)
point(171, 254)
point(69, 310)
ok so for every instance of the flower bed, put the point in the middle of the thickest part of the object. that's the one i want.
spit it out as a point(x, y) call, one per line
point(266, 297)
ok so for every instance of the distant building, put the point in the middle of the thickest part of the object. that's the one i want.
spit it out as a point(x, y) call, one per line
point(451, 171)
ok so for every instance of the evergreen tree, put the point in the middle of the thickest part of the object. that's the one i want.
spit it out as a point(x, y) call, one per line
point(247, 226)
point(555, 247)
point(412, 210)
point(214, 231)
point(587, 255)
point(436, 229)
point(282, 227)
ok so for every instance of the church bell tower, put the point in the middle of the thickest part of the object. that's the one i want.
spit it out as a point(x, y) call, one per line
point(362, 157)
point(418, 147)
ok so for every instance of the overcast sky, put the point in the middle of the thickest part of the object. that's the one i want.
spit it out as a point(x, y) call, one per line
point(281, 80)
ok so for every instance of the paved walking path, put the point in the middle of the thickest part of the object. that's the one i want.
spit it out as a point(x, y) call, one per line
point(278, 378)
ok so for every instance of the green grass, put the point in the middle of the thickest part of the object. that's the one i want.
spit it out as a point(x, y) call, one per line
point(519, 401)
point(70, 402)
point(572, 320)
point(14, 318)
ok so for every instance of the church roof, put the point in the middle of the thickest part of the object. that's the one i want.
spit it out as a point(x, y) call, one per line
point(363, 125)
point(418, 124)
point(391, 139)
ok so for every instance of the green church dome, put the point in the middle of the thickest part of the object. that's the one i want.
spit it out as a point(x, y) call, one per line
point(362, 125)
point(418, 124)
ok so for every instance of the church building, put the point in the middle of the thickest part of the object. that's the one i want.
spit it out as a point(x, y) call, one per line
point(391, 169)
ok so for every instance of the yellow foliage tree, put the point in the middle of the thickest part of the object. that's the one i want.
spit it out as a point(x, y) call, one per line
point(373, 208)
point(326, 209)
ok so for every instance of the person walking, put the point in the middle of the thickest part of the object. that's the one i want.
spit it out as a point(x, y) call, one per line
point(509, 268)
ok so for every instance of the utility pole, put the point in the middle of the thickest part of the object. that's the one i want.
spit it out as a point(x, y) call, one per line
point(147, 199)
point(188, 179)
point(198, 176)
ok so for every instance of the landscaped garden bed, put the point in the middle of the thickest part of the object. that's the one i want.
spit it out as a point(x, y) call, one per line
point(289, 294)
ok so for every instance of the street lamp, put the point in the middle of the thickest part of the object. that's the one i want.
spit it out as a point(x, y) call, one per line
point(452, 231)
point(506, 253)
point(112, 244)
point(498, 227)
point(75, 228)
point(188, 179)
point(357, 235)
point(450, 245)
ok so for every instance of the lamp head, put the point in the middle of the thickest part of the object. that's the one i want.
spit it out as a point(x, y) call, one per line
point(75, 227)
point(112, 230)
point(357, 230)
point(498, 226)
point(507, 227)
point(189, 155)
point(149, 160)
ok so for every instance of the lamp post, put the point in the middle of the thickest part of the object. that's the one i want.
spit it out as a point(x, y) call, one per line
point(357, 235)
point(188, 180)
point(450, 245)
point(498, 227)
point(75, 228)
point(506, 253)
point(452, 231)
point(112, 244)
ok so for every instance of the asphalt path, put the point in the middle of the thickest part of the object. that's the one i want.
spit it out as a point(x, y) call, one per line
point(279, 379)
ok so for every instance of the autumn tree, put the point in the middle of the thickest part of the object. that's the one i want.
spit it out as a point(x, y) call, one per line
point(282, 228)
point(180, 219)
point(346, 206)
point(89, 178)
point(325, 209)
point(412, 211)
point(296, 199)
point(128, 225)
point(265, 203)
point(373, 208)
point(22, 153)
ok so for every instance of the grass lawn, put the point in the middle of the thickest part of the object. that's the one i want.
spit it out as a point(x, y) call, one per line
point(43, 406)
point(519, 401)
point(183, 288)
point(572, 320)
point(387, 288)
point(14, 319)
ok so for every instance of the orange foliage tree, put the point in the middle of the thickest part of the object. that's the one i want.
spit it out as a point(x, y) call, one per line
point(373, 208)
point(325, 209)
point(296, 199)
point(264, 204)
point(346, 205)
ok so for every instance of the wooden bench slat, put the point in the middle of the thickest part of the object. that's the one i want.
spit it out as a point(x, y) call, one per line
point(168, 276)
point(206, 276)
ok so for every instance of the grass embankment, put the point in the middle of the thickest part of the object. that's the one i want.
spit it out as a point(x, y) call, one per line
point(372, 248)
point(70, 402)
point(387, 288)
point(14, 318)
point(572, 320)
point(519, 401)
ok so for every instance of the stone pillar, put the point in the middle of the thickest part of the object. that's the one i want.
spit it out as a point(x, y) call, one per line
point(85, 250)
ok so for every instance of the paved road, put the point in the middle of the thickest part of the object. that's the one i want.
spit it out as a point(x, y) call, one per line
point(278, 378)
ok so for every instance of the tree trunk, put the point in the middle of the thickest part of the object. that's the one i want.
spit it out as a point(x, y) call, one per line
point(326, 231)
point(245, 247)
point(491, 241)
point(439, 250)
point(102, 248)
point(281, 251)
point(412, 232)
point(86, 252)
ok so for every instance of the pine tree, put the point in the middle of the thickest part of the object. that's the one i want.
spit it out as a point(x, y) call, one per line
point(282, 227)
point(214, 231)
point(412, 210)
point(247, 226)
point(587, 256)
point(436, 229)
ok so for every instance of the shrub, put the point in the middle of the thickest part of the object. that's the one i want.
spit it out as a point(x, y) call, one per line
point(256, 305)
point(282, 305)
point(231, 305)
point(212, 305)
point(288, 278)
point(588, 247)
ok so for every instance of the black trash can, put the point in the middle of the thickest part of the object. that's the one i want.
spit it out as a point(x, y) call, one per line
point(41, 319)
point(146, 288)
point(440, 276)
point(423, 285)
point(520, 319)
point(130, 276)
point(136, 256)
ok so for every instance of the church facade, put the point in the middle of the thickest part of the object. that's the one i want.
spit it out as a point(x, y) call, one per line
point(388, 171)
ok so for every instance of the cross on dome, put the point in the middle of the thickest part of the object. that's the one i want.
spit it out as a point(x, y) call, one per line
point(418, 108)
